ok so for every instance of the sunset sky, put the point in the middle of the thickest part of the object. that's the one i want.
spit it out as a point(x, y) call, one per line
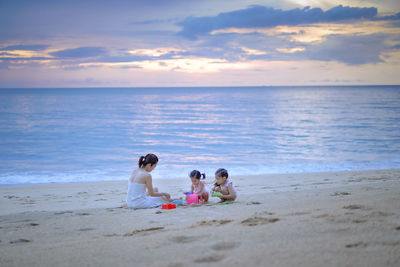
point(51, 43)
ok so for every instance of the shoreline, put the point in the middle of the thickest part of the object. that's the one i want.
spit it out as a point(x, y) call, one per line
point(347, 218)
point(182, 178)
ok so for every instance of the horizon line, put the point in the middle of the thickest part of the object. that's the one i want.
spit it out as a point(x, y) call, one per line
point(213, 86)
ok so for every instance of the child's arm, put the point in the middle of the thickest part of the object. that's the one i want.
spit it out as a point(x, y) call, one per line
point(191, 189)
point(231, 196)
point(216, 188)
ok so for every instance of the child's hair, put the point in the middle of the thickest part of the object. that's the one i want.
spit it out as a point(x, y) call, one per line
point(222, 172)
point(149, 158)
point(196, 174)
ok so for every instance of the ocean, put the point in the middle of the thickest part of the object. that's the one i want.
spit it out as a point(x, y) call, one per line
point(66, 135)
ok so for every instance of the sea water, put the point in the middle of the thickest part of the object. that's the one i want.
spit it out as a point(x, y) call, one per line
point(96, 134)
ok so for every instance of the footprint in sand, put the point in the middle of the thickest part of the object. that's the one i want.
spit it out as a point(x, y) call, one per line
point(33, 224)
point(210, 258)
point(181, 239)
point(298, 213)
point(224, 246)
point(86, 229)
point(253, 203)
point(110, 235)
point(358, 244)
point(359, 221)
point(354, 207)
point(62, 212)
point(21, 240)
point(340, 194)
point(143, 230)
point(253, 221)
point(83, 214)
point(11, 197)
point(212, 222)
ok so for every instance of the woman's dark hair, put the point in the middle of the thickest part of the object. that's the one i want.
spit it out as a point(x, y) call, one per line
point(149, 158)
point(222, 172)
point(196, 174)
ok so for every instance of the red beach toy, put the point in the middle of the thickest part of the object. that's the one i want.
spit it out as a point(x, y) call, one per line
point(168, 206)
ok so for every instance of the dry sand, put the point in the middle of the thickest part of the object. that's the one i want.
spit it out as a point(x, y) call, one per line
point(318, 219)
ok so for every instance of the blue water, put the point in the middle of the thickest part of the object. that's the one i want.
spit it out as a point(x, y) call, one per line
point(70, 135)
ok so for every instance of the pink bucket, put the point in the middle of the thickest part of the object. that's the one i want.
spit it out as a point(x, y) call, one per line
point(192, 198)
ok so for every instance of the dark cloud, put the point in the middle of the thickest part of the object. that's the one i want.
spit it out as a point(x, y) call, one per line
point(80, 52)
point(352, 50)
point(260, 16)
point(392, 17)
point(37, 47)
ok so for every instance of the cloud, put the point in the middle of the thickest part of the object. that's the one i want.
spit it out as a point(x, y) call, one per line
point(80, 52)
point(24, 58)
point(392, 17)
point(37, 47)
point(260, 16)
point(7, 54)
point(153, 21)
point(352, 50)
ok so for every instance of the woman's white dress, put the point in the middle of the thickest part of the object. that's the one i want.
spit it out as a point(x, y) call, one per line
point(137, 197)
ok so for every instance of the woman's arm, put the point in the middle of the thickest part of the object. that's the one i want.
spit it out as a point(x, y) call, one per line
point(150, 190)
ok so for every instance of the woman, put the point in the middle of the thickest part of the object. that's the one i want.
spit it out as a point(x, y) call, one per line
point(140, 180)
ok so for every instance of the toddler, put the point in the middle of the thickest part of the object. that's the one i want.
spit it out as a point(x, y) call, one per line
point(224, 186)
point(199, 187)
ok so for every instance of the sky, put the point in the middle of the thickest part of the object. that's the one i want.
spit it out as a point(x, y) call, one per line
point(78, 43)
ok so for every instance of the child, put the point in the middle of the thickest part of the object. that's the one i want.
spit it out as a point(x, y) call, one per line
point(224, 186)
point(199, 187)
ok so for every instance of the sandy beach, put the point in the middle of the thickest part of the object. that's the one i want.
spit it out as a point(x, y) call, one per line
point(314, 219)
